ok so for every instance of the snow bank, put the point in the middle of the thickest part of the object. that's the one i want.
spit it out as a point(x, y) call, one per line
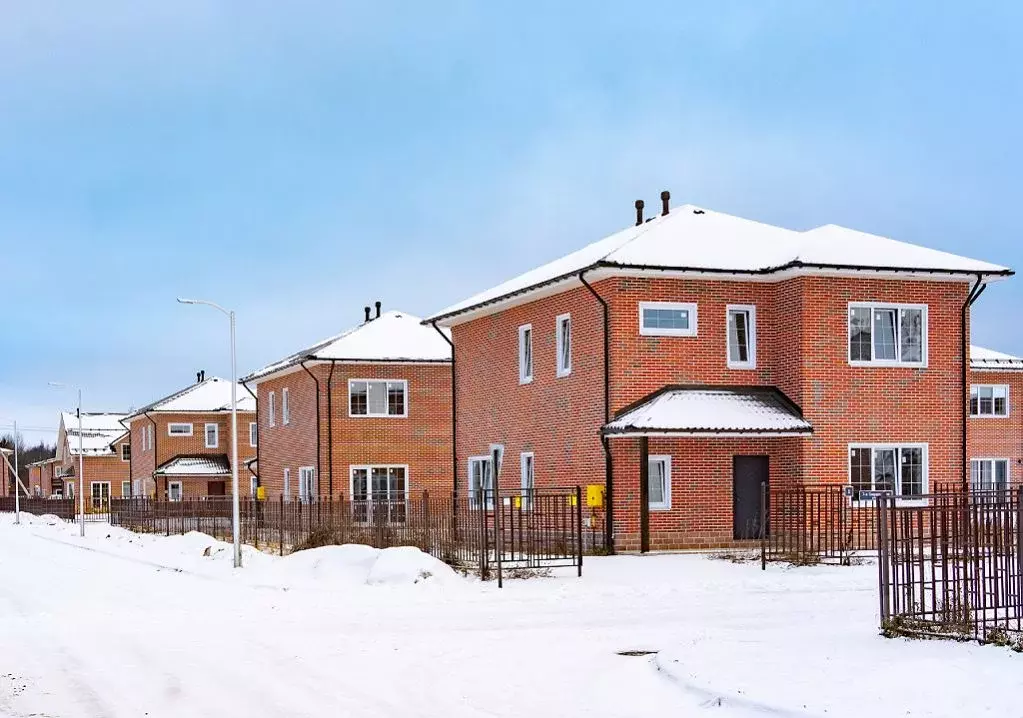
point(355, 564)
point(402, 565)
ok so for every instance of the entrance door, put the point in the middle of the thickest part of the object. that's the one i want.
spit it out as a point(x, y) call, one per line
point(748, 472)
point(217, 488)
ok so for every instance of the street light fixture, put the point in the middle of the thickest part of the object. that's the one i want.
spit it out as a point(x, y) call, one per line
point(81, 456)
point(234, 430)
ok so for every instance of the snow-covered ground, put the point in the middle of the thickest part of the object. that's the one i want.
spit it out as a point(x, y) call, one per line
point(124, 625)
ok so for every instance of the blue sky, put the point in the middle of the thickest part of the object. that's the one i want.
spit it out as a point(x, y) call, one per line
point(297, 161)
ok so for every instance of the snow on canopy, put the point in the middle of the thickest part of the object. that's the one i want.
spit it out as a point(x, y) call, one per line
point(99, 431)
point(683, 410)
point(690, 238)
point(217, 465)
point(981, 358)
point(393, 336)
point(213, 394)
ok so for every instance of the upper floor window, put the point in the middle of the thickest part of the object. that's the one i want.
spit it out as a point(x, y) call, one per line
point(253, 429)
point(564, 344)
point(525, 354)
point(149, 437)
point(368, 397)
point(179, 429)
point(888, 334)
point(742, 336)
point(989, 400)
point(271, 409)
point(900, 469)
point(212, 436)
point(285, 407)
point(667, 319)
point(126, 451)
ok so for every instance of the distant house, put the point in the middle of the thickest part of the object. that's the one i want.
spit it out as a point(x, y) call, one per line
point(365, 414)
point(42, 477)
point(180, 445)
point(100, 445)
point(996, 419)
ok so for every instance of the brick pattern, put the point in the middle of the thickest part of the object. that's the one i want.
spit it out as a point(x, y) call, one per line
point(999, 438)
point(109, 468)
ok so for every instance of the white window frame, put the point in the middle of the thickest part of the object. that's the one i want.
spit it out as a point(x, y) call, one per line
point(287, 484)
point(978, 415)
point(472, 493)
point(181, 490)
point(271, 409)
point(92, 498)
point(253, 485)
point(527, 480)
point(285, 407)
point(526, 372)
point(149, 437)
point(206, 435)
point(991, 460)
point(179, 425)
point(897, 447)
point(691, 307)
point(253, 433)
point(563, 338)
point(305, 496)
point(666, 504)
point(124, 493)
point(387, 402)
point(751, 336)
point(897, 362)
point(128, 445)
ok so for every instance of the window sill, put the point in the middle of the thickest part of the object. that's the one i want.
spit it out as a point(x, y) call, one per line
point(889, 364)
point(660, 508)
point(737, 365)
point(523, 382)
point(666, 333)
point(561, 374)
point(989, 416)
point(378, 416)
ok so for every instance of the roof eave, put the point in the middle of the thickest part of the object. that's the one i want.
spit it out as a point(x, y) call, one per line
point(635, 432)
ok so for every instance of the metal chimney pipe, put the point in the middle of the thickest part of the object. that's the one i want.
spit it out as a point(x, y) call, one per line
point(639, 212)
point(665, 196)
point(367, 313)
point(377, 304)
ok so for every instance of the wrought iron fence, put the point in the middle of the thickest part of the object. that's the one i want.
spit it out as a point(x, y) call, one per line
point(66, 509)
point(812, 524)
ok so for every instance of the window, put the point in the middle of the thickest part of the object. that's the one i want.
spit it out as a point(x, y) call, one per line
point(742, 337)
point(989, 474)
point(272, 409)
point(525, 354)
point(99, 495)
point(306, 476)
point(564, 342)
point(667, 319)
point(888, 334)
point(179, 429)
point(126, 451)
point(253, 486)
point(125, 489)
point(659, 480)
point(898, 469)
point(253, 432)
point(174, 491)
point(528, 479)
point(379, 493)
point(377, 398)
point(69, 489)
point(212, 436)
point(285, 407)
point(989, 400)
point(149, 437)
point(481, 481)
point(287, 484)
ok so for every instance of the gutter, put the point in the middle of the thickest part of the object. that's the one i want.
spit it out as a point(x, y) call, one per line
point(156, 442)
point(454, 415)
point(975, 292)
point(131, 458)
point(330, 430)
point(317, 382)
point(609, 535)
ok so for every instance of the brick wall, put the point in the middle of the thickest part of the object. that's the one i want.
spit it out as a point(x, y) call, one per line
point(1000, 438)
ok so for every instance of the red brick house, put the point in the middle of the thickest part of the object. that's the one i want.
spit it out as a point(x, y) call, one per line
point(104, 458)
point(996, 419)
point(364, 414)
point(42, 478)
point(181, 444)
point(685, 360)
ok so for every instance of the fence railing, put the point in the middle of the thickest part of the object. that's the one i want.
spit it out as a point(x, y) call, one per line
point(66, 509)
point(811, 524)
point(950, 565)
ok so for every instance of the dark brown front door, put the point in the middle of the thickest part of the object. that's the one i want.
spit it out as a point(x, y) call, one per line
point(748, 473)
point(217, 488)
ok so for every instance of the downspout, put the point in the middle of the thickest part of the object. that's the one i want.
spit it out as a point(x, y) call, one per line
point(974, 294)
point(317, 383)
point(609, 536)
point(156, 440)
point(454, 420)
point(259, 482)
point(330, 430)
point(131, 458)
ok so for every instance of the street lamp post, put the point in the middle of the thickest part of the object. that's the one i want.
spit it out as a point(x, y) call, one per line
point(81, 459)
point(17, 480)
point(234, 430)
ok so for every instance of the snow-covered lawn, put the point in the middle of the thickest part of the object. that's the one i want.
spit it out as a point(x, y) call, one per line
point(127, 625)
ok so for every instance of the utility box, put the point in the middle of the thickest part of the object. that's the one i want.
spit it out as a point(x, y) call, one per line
point(260, 493)
point(594, 496)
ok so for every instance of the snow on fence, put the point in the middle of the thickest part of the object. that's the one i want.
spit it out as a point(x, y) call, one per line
point(950, 565)
point(543, 529)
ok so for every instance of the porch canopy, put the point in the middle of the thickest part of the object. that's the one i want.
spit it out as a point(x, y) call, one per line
point(196, 466)
point(711, 411)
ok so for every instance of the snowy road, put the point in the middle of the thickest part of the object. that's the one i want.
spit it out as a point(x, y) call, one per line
point(99, 629)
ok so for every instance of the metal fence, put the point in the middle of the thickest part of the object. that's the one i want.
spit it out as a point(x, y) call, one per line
point(66, 509)
point(950, 566)
point(813, 524)
point(537, 530)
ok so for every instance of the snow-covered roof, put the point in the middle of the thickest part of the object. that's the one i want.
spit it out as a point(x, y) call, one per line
point(692, 239)
point(99, 431)
point(209, 395)
point(982, 359)
point(393, 336)
point(216, 465)
point(711, 411)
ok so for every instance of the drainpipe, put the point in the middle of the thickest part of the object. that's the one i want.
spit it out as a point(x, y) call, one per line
point(974, 294)
point(330, 430)
point(259, 482)
point(317, 383)
point(609, 536)
point(454, 420)
point(156, 441)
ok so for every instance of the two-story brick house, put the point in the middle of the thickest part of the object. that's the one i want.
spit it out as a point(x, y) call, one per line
point(181, 444)
point(104, 458)
point(365, 414)
point(42, 478)
point(688, 359)
point(996, 419)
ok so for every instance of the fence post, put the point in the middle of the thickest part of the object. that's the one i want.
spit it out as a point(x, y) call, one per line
point(426, 518)
point(280, 524)
point(881, 502)
point(763, 525)
point(498, 539)
point(578, 525)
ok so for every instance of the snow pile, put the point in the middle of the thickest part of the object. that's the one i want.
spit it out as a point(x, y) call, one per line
point(355, 564)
